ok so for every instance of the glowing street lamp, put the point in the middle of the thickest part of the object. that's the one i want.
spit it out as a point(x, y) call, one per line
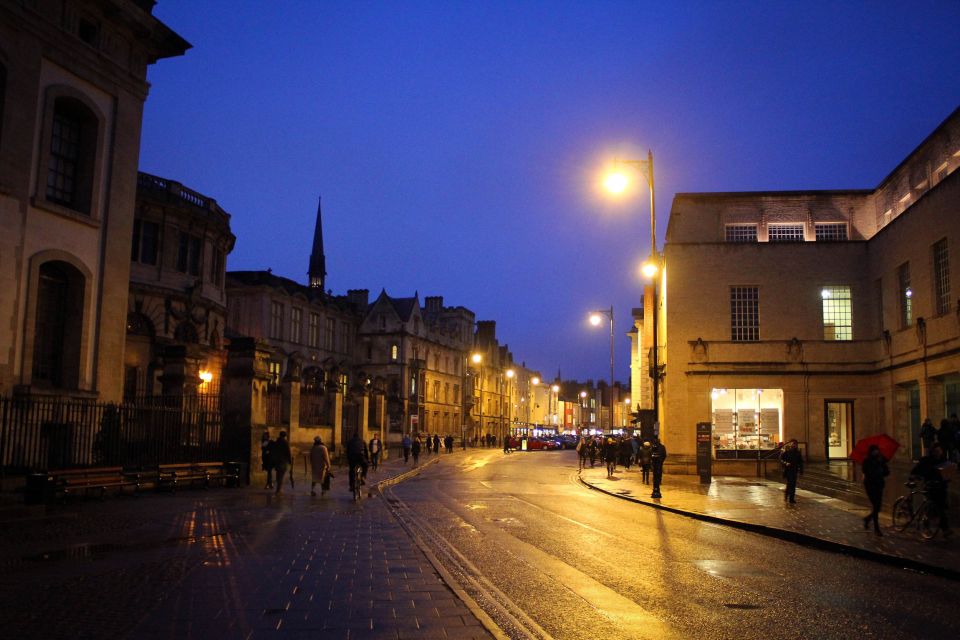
point(596, 318)
point(478, 360)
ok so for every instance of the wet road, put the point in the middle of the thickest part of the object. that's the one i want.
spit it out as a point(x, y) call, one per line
point(546, 557)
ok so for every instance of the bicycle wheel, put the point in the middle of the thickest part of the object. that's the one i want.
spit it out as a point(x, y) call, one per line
point(928, 517)
point(902, 513)
point(357, 476)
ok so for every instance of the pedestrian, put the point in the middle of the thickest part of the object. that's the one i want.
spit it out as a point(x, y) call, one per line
point(436, 443)
point(875, 471)
point(626, 453)
point(357, 455)
point(448, 443)
point(406, 443)
point(319, 467)
point(610, 456)
point(282, 459)
point(375, 447)
point(592, 452)
point(934, 469)
point(658, 455)
point(266, 458)
point(948, 439)
point(415, 450)
point(634, 450)
point(582, 449)
point(792, 461)
point(646, 458)
point(506, 444)
point(928, 435)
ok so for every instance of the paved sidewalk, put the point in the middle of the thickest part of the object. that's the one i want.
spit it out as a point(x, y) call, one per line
point(224, 563)
point(758, 505)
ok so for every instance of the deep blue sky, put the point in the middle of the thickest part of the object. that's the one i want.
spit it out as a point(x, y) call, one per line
point(456, 144)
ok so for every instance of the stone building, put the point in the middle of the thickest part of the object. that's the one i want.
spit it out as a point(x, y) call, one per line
point(824, 316)
point(176, 314)
point(490, 383)
point(72, 88)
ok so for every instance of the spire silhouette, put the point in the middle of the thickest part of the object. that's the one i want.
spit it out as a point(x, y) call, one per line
point(318, 262)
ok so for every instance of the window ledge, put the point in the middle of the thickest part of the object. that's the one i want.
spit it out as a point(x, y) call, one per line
point(66, 212)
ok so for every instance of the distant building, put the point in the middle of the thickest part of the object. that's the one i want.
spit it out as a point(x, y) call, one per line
point(177, 305)
point(824, 316)
point(72, 88)
point(490, 384)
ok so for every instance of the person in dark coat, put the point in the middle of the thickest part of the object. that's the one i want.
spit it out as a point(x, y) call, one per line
point(875, 471)
point(645, 458)
point(935, 484)
point(415, 450)
point(282, 459)
point(948, 439)
point(266, 458)
point(928, 435)
point(792, 461)
point(436, 443)
point(407, 445)
point(658, 455)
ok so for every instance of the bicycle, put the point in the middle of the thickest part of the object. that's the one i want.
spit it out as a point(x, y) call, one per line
point(925, 515)
point(357, 482)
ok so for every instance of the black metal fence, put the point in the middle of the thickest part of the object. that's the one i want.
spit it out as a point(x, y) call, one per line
point(40, 433)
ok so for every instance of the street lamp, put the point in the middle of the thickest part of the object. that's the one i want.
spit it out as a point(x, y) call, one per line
point(616, 183)
point(595, 319)
point(478, 360)
point(510, 373)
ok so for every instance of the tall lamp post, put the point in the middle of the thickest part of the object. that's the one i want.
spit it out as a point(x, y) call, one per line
point(510, 373)
point(596, 318)
point(478, 360)
point(617, 182)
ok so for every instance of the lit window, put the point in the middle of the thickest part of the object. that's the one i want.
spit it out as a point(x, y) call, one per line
point(837, 315)
point(941, 277)
point(275, 372)
point(785, 233)
point(741, 233)
point(830, 231)
point(394, 352)
point(906, 295)
point(744, 314)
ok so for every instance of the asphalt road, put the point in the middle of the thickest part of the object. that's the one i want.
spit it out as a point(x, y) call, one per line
point(545, 557)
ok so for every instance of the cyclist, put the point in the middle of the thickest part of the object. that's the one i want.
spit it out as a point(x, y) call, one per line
point(357, 454)
point(931, 469)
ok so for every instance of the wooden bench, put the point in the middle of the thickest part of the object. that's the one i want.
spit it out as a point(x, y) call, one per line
point(175, 475)
point(80, 481)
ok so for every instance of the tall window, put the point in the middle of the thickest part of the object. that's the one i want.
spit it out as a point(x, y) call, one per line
point(188, 254)
point(830, 231)
point(905, 293)
point(313, 335)
point(785, 233)
point(296, 324)
point(744, 314)
point(57, 335)
point(217, 267)
point(941, 277)
point(741, 233)
point(330, 328)
point(146, 237)
point(276, 320)
point(275, 372)
point(456, 393)
point(70, 163)
point(837, 315)
point(394, 352)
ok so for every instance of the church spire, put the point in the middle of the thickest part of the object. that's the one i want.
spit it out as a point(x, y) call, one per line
point(318, 263)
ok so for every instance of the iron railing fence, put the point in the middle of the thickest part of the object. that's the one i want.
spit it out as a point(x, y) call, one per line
point(42, 433)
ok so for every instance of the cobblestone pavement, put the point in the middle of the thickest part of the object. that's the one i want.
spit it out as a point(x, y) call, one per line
point(760, 502)
point(224, 563)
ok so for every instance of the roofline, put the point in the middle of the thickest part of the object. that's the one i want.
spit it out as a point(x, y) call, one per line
point(910, 155)
point(740, 194)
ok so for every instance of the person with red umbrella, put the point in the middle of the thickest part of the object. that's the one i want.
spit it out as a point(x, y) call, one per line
point(875, 471)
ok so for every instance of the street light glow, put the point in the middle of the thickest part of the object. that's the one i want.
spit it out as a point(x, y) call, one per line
point(595, 319)
point(477, 358)
point(535, 381)
point(555, 388)
point(649, 269)
point(616, 182)
point(510, 373)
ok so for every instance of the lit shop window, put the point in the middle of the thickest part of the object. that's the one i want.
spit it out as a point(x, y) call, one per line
point(785, 233)
point(837, 318)
point(746, 422)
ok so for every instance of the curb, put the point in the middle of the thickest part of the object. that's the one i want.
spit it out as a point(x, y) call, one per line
point(792, 536)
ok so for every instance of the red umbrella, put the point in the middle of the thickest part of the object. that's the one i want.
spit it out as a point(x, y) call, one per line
point(888, 447)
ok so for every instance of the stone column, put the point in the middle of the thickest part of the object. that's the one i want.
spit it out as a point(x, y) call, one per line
point(243, 400)
point(335, 414)
point(290, 403)
point(380, 411)
point(363, 415)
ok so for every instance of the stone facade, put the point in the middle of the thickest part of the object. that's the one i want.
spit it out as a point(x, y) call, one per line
point(178, 295)
point(72, 88)
point(834, 309)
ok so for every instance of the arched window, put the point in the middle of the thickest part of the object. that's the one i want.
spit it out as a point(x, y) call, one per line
point(71, 154)
point(56, 344)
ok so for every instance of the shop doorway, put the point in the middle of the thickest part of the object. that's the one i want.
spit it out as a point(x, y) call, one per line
point(838, 426)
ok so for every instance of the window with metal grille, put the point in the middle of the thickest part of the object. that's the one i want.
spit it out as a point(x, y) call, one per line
point(276, 320)
point(296, 324)
point(837, 313)
point(830, 231)
point(785, 233)
point(941, 277)
point(741, 233)
point(744, 314)
point(64, 157)
point(905, 294)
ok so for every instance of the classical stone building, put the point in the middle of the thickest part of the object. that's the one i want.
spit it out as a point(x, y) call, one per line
point(490, 383)
point(176, 314)
point(72, 88)
point(823, 316)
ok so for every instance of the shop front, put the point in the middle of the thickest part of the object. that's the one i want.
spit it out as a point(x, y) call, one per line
point(747, 423)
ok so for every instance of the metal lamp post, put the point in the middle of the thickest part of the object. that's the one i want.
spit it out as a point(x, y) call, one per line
point(595, 320)
point(478, 360)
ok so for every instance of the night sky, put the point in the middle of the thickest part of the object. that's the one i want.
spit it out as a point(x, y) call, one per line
point(457, 145)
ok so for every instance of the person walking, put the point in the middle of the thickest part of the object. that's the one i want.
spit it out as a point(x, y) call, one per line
point(645, 456)
point(282, 459)
point(436, 443)
point(875, 471)
point(319, 467)
point(375, 447)
point(266, 458)
point(933, 469)
point(658, 455)
point(582, 449)
point(792, 461)
point(357, 455)
point(928, 435)
point(415, 450)
point(407, 445)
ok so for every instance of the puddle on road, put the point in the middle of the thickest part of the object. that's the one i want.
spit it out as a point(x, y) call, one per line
point(731, 569)
point(509, 521)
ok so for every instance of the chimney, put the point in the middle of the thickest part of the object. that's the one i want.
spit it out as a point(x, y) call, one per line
point(434, 304)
